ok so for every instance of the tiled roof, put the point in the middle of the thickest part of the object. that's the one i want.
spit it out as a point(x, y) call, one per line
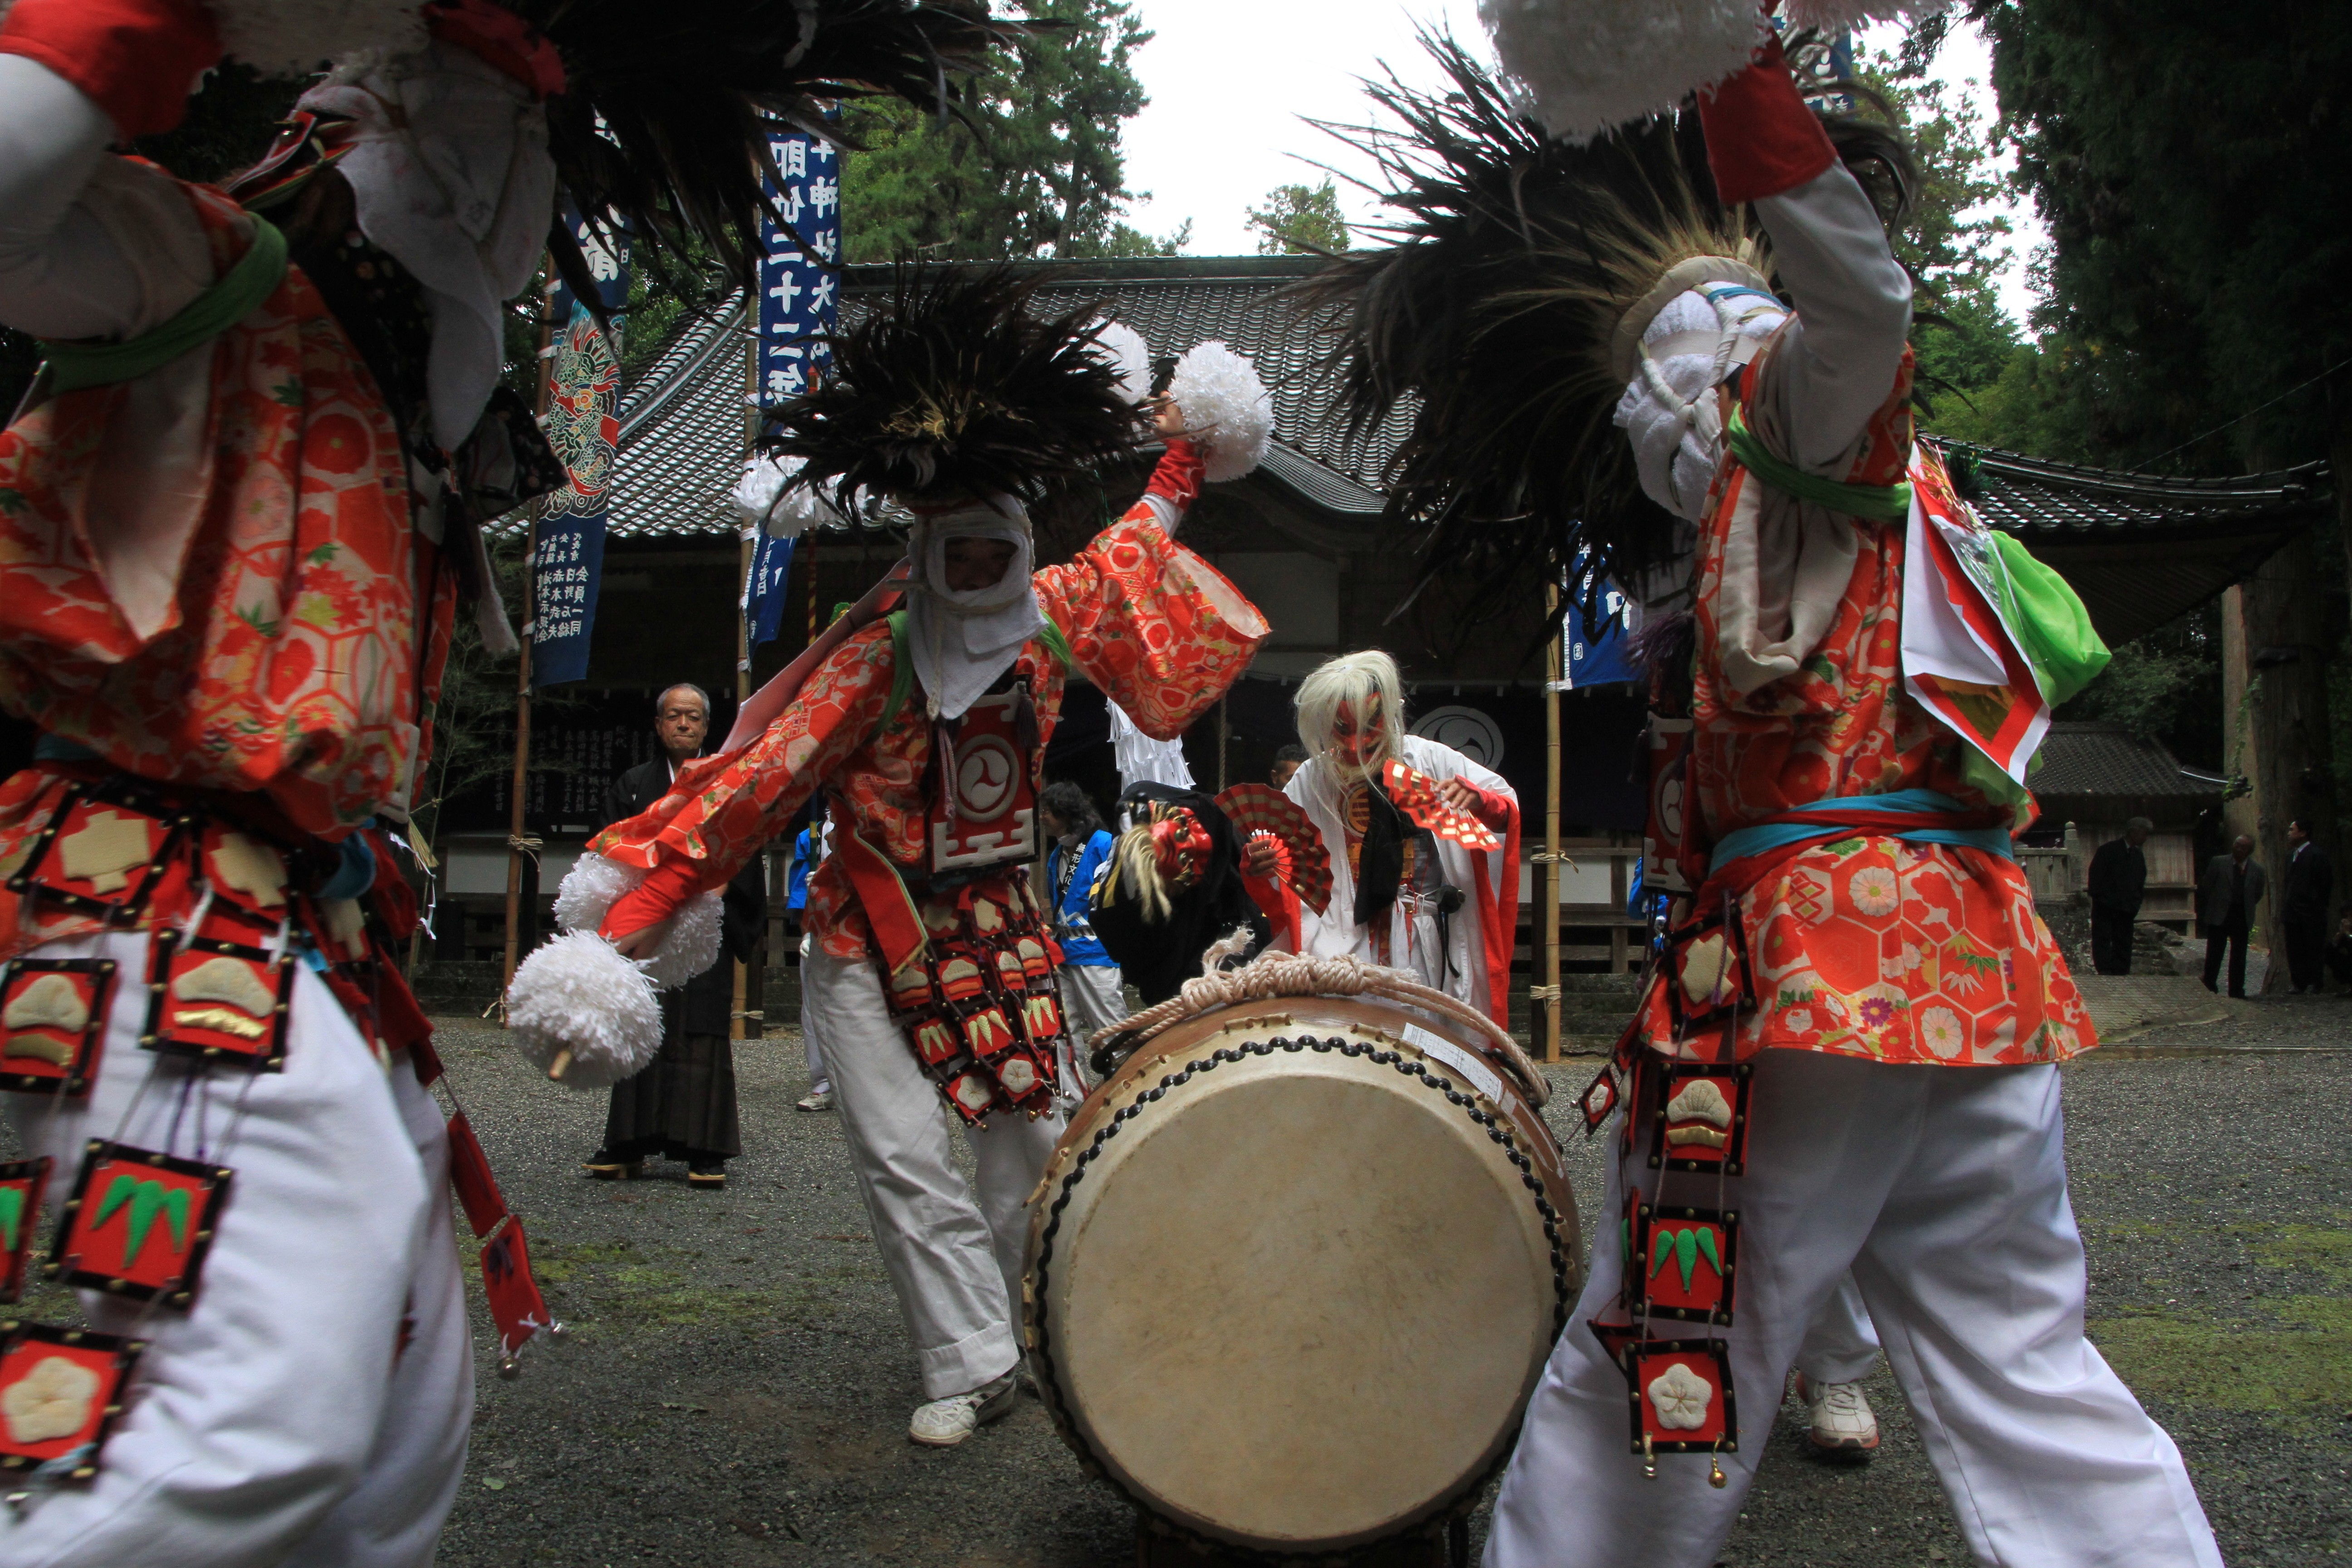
point(682, 442)
point(2088, 757)
point(2061, 502)
point(2141, 549)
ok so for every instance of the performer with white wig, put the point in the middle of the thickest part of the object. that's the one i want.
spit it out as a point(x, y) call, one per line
point(931, 975)
point(1422, 842)
point(1847, 1063)
point(238, 516)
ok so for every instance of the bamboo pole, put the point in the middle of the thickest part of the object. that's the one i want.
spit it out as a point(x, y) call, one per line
point(738, 1013)
point(1552, 674)
point(515, 836)
point(1223, 731)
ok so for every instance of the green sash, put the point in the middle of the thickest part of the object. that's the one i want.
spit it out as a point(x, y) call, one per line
point(232, 297)
point(1889, 503)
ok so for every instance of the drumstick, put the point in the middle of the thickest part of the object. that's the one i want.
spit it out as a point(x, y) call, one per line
point(561, 1065)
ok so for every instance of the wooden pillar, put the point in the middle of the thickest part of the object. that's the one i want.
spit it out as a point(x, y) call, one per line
point(2290, 751)
point(2242, 812)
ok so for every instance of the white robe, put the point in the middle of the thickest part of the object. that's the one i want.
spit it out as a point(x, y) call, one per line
point(1413, 934)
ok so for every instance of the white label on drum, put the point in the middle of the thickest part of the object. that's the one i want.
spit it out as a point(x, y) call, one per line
point(1489, 1083)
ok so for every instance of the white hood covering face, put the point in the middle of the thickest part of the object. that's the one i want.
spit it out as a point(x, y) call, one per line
point(1668, 412)
point(453, 177)
point(963, 642)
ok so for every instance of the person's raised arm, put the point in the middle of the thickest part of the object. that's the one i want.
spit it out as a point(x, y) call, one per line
point(1159, 629)
point(1841, 351)
point(722, 809)
point(77, 76)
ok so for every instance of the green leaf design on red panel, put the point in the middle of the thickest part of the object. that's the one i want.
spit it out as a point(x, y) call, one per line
point(1683, 1247)
point(146, 1199)
point(11, 1216)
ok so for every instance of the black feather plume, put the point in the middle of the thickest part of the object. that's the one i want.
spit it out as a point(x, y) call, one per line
point(664, 120)
point(1515, 259)
point(958, 387)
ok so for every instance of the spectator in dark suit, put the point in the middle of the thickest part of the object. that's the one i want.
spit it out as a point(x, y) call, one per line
point(682, 1106)
point(2227, 895)
point(2302, 911)
point(2340, 951)
point(2118, 881)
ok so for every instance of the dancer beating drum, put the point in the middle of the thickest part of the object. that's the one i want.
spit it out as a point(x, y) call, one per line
point(932, 976)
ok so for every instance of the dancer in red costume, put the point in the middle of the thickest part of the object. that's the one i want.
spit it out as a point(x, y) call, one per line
point(1847, 1062)
point(930, 971)
point(238, 519)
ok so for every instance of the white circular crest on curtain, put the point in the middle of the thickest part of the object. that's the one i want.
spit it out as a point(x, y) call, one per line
point(1466, 730)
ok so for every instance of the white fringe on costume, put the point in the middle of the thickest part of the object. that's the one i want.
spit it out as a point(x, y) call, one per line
point(1224, 399)
point(1582, 67)
point(1123, 348)
point(761, 500)
point(577, 994)
point(295, 38)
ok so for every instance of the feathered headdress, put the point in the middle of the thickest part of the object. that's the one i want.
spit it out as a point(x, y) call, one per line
point(956, 387)
point(1524, 272)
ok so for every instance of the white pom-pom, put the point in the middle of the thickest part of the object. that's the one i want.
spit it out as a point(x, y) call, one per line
point(692, 945)
point(761, 499)
point(590, 890)
point(582, 1013)
point(594, 885)
point(1583, 66)
point(293, 37)
point(1224, 403)
point(1123, 348)
point(1835, 16)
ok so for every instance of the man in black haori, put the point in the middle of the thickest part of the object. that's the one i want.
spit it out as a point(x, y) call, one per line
point(682, 1106)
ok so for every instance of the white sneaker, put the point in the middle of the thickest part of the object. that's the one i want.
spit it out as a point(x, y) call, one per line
point(1842, 1419)
point(944, 1423)
point(815, 1099)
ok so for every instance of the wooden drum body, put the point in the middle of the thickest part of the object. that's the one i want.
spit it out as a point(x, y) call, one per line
point(1294, 1271)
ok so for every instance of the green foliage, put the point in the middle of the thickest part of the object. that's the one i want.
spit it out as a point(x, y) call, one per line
point(2165, 685)
point(1953, 247)
point(1037, 172)
point(1300, 220)
point(2187, 157)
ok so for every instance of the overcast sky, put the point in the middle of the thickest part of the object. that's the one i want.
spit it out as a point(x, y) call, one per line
point(1233, 83)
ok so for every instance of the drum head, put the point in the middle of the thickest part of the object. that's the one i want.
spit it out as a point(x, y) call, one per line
point(1298, 1301)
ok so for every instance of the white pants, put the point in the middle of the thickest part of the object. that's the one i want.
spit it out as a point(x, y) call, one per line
point(1944, 1190)
point(1841, 1345)
point(1093, 997)
point(270, 1424)
point(954, 1255)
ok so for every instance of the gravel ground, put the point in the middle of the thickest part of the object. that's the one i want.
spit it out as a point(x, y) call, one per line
point(737, 1383)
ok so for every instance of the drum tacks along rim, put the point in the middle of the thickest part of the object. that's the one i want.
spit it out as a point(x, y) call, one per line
point(1294, 1271)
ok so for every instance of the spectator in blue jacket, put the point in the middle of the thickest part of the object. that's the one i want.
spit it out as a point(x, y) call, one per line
point(1091, 995)
point(809, 849)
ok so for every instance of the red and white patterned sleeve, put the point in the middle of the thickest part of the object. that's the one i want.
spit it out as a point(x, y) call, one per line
point(1159, 629)
point(723, 808)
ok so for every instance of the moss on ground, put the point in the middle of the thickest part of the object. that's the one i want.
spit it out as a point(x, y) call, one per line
point(619, 1285)
point(2285, 1352)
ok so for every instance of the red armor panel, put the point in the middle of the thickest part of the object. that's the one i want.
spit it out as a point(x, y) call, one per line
point(983, 809)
